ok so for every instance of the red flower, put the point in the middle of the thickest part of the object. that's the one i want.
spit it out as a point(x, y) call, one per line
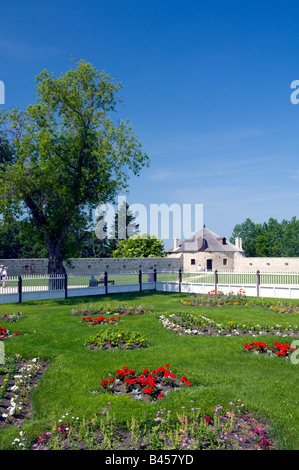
point(104, 383)
point(207, 419)
point(160, 395)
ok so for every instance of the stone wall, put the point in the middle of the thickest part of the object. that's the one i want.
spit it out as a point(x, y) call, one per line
point(93, 266)
point(266, 264)
point(220, 261)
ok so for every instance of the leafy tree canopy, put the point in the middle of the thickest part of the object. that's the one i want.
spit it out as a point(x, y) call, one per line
point(270, 239)
point(141, 246)
point(64, 155)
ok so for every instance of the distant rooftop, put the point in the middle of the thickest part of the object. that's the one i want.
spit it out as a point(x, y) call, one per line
point(205, 240)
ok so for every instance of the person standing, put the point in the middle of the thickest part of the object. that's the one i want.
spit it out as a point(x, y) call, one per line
point(4, 276)
point(1, 270)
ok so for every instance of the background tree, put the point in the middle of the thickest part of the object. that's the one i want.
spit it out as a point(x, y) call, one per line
point(64, 155)
point(271, 239)
point(124, 227)
point(18, 239)
point(141, 246)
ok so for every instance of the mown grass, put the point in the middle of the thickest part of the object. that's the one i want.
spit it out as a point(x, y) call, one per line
point(219, 369)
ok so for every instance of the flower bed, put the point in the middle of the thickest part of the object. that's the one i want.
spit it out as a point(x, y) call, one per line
point(195, 324)
point(121, 309)
point(147, 386)
point(284, 308)
point(13, 317)
point(18, 378)
point(116, 339)
point(278, 349)
point(216, 298)
point(5, 333)
point(100, 320)
point(231, 428)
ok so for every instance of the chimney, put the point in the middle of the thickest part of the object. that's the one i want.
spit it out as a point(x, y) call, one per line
point(238, 242)
point(175, 243)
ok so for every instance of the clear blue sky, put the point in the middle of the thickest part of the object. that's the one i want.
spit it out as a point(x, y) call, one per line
point(206, 89)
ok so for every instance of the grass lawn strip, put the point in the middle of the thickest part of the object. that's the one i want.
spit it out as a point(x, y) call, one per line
point(55, 338)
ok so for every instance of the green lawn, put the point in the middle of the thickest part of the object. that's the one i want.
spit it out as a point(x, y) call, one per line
point(219, 369)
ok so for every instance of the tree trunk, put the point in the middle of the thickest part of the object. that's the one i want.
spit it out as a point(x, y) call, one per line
point(56, 270)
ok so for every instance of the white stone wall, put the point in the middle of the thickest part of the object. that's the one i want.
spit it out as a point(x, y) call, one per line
point(266, 264)
point(91, 266)
point(202, 257)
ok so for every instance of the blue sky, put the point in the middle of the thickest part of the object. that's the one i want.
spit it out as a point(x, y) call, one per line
point(206, 89)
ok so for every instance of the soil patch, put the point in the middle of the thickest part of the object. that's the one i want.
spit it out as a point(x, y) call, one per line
point(5, 403)
point(121, 345)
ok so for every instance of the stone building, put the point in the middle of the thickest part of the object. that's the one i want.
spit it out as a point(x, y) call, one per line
point(205, 250)
point(209, 251)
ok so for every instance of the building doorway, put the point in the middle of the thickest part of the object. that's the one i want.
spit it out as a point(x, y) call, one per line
point(209, 265)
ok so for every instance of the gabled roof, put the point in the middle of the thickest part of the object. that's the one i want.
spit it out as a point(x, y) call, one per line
point(207, 241)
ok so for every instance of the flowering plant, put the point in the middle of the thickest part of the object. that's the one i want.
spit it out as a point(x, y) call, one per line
point(11, 318)
point(152, 384)
point(3, 332)
point(99, 320)
point(214, 298)
point(258, 346)
point(121, 309)
point(196, 324)
point(279, 349)
point(116, 338)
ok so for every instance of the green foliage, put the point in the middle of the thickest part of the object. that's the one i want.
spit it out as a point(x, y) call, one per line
point(144, 246)
point(64, 155)
point(114, 337)
point(270, 238)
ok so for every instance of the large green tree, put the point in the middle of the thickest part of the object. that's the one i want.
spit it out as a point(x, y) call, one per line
point(272, 238)
point(141, 246)
point(63, 155)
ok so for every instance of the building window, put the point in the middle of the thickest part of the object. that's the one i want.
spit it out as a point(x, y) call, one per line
point(192, 261)
point(224, 262)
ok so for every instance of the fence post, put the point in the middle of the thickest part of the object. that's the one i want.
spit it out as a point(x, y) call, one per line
point(258, 281)
point(180, 280)
point(65, 286)
point(20, 289)
point(106, 282)
point(155, 277)
point(216, 279)
point(140, 280)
